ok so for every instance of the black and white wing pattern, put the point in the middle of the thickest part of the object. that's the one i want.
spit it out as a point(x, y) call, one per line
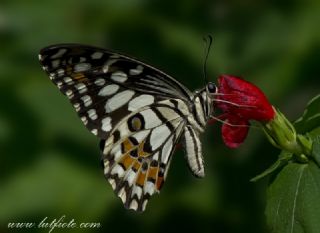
point(137, 111)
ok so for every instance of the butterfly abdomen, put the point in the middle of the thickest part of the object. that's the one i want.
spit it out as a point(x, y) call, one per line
point(193, 151)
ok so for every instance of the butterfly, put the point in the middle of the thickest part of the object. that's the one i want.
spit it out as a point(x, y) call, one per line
point(138, 112)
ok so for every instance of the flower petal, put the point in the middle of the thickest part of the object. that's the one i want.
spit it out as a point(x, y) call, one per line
point(233, 136)
point(247, 100)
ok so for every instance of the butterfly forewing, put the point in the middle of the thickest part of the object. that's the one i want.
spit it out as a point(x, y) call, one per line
point(138, 111)
point(104, 86)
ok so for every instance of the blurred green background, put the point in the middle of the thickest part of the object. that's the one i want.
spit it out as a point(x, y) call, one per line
point(50, 164)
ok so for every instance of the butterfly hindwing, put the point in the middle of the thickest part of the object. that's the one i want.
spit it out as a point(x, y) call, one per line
point(136, 159)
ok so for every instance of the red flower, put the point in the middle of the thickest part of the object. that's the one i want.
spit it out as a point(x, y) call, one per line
point(241, 102)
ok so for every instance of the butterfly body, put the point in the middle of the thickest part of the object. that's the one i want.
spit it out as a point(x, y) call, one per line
point(139, 113)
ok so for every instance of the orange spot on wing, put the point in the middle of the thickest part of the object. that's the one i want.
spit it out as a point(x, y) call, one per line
point(152, 173)
point(127, 145)
point(127, 161)
point(136, 165)
point(76, 76)
point(159, 182)
point(141, 178)
point(79, 77)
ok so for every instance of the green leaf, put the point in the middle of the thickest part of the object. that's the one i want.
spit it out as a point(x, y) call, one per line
point(311, 116)
point(293, 204)
point(316, 150)
point(284, 157)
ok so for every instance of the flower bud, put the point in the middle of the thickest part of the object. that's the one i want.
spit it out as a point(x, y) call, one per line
point(282, 134)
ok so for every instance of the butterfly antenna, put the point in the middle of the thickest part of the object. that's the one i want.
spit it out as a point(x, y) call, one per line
point(208, 42)
point(214, 119)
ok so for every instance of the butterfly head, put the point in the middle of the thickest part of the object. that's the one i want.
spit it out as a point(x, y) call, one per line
point(204, 98)
point(212, 88)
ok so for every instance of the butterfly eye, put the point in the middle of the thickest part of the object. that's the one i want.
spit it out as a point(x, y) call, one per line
point(212, 88)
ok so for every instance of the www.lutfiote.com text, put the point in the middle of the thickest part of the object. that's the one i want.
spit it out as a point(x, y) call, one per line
point(46, 223)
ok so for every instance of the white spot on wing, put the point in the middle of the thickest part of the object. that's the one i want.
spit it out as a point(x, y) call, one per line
point(68, 80)
point(137, 190)
point(150, 118)
point(81, 88)
point(99, 82)
point(60, 72)
point(94, 131)
point(167, 102)
point(106, 167)
point(133, 205)
point(108, 145)
point(87, 101)
point(77, 106)
point(131, 175)
point(117, 169)
point(59, 84)
point(124, 131)
point(82, 67)
point(140, 101)
point(158, 136)
point(84, 120)
point(183, 107)
point(136, 71)
point(155, 156)
point(96, 55)
point(116, 151)
point(112, 182)
point(92, 114)
point(144, 204)
point(169, 113)
point(166, 150)
point(148, 188)
point(122, 194)
point(119, 76)
point(118, 100)
point(106, 66)
point(59, 53)
point(52, 76)
point(106, 124)
point(141, 135)
point(69, 93)
point(108, 90)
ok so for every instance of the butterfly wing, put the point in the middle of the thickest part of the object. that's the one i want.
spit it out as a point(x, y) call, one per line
point(137, 155)
point(104, 86)
point(138, 111)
